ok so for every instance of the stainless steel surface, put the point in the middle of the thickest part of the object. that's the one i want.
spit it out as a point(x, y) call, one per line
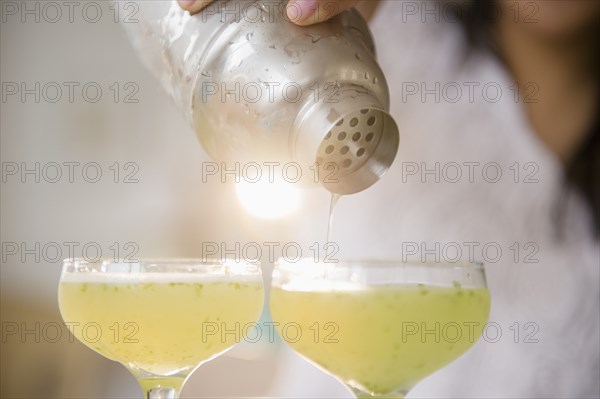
point(258, 88)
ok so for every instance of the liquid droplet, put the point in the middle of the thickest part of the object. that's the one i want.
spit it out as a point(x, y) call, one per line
point(294, 51)
point(314, 38)
point(249, 36)
point(375, 80)
point(367, 76)
point(205, 74)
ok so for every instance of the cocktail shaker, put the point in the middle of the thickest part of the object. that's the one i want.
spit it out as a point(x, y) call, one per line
point(258, 88)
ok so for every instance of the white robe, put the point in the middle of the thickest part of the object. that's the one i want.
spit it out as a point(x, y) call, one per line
point(557, 352)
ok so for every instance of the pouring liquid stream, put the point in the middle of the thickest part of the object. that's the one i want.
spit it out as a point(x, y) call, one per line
point(334, 200)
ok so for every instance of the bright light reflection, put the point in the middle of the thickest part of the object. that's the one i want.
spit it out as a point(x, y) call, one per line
point(268, 200)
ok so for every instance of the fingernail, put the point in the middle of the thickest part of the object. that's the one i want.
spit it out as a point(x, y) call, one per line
point(301, 10)
point(186, 3)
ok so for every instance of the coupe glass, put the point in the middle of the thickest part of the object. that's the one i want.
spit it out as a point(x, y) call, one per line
point(160, 318)
point(379, 326)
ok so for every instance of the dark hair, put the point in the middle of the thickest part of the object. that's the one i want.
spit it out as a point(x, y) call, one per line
point(582, 172)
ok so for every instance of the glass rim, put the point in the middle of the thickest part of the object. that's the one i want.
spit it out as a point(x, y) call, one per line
point(359, 274)
point(165, 261)
point(281, 263)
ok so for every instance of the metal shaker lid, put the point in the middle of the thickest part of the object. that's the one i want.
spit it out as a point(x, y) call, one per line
point(353, 141)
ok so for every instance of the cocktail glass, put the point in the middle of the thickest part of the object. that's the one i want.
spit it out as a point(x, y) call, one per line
point(160, 318)
point(379, 326)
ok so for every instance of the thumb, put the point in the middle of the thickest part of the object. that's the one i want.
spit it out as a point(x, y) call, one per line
point(193, 6)
point(308, 12)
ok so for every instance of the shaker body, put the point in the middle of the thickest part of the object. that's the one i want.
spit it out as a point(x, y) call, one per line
point(258, 88)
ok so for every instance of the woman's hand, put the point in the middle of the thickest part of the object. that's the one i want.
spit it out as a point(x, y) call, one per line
point(301, 12)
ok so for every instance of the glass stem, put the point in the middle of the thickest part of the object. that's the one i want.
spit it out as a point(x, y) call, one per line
point(162, 393)
point(161, 388)
point(388, 396)
point(363, 395)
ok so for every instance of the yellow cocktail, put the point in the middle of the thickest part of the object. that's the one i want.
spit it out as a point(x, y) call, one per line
point(383, 332)
point(161, 319)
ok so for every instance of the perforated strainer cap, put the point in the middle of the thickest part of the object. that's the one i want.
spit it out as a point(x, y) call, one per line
point(353, 142)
